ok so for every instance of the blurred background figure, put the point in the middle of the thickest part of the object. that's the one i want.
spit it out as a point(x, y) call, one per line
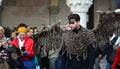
point(35, 31)
point(3, 52)
point(25, 44)
point(30, 32)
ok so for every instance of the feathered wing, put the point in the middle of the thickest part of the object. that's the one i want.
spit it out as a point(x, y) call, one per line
point(49, 38)
point(109, 23)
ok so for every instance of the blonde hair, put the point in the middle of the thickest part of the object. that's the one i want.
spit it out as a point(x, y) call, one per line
point(2, 29)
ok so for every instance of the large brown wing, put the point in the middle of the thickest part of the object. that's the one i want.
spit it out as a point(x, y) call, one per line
point(109, 23)
point(49, 38)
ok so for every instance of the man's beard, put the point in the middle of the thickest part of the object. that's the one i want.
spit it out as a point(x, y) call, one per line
point(76, 29)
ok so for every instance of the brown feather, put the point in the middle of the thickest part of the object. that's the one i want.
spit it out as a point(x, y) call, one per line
point(109, 23)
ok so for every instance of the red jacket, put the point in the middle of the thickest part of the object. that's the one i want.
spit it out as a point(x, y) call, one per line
point(117, 59)
point(28, 46)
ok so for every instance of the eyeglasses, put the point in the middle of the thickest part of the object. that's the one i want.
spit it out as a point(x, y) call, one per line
point(71, 21)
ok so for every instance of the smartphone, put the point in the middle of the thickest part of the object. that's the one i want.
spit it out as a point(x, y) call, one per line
point(23, 48)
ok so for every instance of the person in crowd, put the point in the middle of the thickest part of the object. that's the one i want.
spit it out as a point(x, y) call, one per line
point(8, 32)
point(116, 62)
point(105, 55)
point(110, 52)
point(53, 56)
point(42, 56)
point(28, 26)
point(25, 44)
point(35, 31)
point(99, 56)
point(3, 52)
point(22, 25)
point(44, 61)
point(13, 35)
point(30, 32)
point(79, 45)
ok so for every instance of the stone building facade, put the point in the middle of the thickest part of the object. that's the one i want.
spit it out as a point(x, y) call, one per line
point(42, 13)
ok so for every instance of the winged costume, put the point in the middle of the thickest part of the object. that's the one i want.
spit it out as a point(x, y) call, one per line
point(109, 23)
point(52, 38)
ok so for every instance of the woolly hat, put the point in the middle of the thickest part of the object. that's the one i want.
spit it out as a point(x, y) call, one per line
point(22, 29)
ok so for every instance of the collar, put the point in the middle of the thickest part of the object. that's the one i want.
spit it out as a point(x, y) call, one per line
point(77, 29)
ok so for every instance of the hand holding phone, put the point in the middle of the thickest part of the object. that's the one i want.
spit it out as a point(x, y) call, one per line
point(23, 48)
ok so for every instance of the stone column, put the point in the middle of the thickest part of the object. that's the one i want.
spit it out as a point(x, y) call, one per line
point(80, 7)
point(54, 10)
point(0, 2)
point(1, 12)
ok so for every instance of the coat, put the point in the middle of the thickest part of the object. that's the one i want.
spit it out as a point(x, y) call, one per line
point(116, 60)
point(28, 46)
point(27, 58)
point(3, 63)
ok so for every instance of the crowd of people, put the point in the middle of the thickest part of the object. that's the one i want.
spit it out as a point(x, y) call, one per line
point(78, 49)
point(16, 50)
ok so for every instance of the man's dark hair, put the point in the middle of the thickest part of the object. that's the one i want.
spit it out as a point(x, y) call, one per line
point(22, 25)
point(74, 16)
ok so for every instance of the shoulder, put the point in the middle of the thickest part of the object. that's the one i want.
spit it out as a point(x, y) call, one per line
point(15, 40)
point(29, 39)
point(66, 33)
point(87, 32)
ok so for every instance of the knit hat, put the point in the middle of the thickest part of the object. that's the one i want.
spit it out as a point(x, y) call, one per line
point(22, 29)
